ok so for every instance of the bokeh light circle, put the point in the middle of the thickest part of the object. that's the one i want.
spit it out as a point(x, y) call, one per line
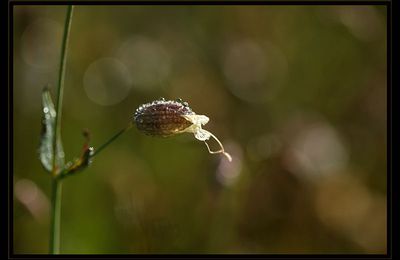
point(147, 61)
point(41, 43)
point(107, 81)
point(253, 70)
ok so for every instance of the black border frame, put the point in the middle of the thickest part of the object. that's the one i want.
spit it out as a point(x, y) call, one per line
point(9, 76)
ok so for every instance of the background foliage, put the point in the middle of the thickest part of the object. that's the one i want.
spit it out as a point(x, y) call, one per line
point(296, 93)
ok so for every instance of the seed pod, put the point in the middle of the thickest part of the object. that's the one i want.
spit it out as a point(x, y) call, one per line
point(162, 118)
point(166, 118)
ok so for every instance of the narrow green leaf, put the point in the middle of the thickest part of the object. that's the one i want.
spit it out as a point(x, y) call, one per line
point(47, 135)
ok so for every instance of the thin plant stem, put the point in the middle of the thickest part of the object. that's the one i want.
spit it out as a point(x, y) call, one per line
point(61, 78)
point(65, 172)
point(56, 183)
point(109, 141)
point(56, 194)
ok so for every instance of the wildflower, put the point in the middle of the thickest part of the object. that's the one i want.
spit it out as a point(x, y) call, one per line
point(167, 118)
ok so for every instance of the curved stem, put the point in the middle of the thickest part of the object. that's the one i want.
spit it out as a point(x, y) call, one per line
point(60, 88)
point(64, 51)
point(109, 141)
point(56, 183)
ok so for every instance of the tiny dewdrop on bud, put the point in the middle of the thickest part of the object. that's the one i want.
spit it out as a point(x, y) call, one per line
point(167, 118)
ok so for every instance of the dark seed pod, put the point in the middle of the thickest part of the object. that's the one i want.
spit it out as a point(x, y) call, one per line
point(162, 118)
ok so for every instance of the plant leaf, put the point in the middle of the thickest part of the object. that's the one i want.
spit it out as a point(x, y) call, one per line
point(47, 135)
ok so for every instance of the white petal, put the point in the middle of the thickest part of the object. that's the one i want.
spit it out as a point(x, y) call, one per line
point(201, 119)
point(190, 129)
point(197, 119)
point(202, 134)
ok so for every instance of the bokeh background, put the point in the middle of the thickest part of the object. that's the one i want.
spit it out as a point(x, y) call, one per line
point(297, 94)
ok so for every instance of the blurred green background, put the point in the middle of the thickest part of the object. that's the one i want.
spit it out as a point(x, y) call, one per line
point(297, 94)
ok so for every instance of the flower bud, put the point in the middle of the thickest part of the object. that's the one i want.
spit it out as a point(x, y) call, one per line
point(166, 118)
point(162, 118)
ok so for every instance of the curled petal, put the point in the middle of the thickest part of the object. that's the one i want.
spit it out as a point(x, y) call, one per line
point(202, 134)
point(222, 150)
point(197, 119)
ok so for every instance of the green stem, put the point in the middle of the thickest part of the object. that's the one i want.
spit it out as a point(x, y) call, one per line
point(60, 88)
point(55, 216)
point(66, 171)
point(56, 184)
point(111, 139)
